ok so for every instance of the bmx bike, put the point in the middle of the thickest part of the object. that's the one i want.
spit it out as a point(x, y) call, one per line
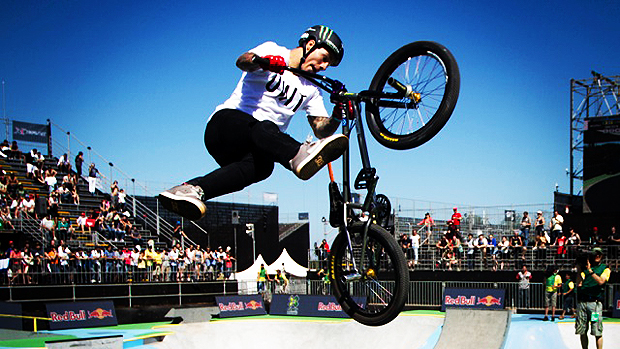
point(411, 97)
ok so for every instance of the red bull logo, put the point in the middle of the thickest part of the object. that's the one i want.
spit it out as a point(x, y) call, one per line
point(68, 316)
point(460, 300)
point(253, 305)
point(330, 306)
point(231, 306)
point(100, 314)
point(489, 301)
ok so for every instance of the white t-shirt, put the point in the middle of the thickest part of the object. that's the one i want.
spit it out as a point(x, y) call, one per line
point(415, 240)
point(275, 97)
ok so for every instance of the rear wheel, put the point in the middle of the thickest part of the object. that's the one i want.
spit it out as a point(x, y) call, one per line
point(425, 81)
point(381, 278)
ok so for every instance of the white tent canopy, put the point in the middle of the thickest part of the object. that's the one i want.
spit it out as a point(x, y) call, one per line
point(290, 266)
point(251, 273)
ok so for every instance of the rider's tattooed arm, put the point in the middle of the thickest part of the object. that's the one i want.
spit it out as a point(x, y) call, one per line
point(323, 126)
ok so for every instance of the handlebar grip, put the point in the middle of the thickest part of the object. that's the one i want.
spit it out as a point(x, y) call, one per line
point(397, 85)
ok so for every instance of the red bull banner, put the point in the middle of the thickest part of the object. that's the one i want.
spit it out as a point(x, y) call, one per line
point(308, 305)
point(616, 308)
point(81, 314)
point(481, 298)
point(231, 306)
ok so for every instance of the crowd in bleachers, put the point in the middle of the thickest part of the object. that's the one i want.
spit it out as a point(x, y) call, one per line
point(59, 264)
point(86, 243)
point(551, 244)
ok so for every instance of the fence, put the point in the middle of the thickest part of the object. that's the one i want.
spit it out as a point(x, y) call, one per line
point(432, 258)
point(429, 294)
point(41, 271)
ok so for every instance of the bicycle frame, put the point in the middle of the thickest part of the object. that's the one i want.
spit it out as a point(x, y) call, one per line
point(366, 178)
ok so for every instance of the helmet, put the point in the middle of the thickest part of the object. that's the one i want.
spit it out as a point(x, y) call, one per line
point(326, 38)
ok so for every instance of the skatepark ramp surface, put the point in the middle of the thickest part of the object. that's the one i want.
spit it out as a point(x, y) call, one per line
point(474, 328)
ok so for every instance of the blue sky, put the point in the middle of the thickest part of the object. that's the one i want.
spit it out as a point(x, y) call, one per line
point(137, 80)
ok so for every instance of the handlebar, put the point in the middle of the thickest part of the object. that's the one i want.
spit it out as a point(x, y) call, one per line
point(337, 90)
point(329, 85)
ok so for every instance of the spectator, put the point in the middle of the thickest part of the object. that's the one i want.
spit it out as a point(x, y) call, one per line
point(174, 263)
point(81, 223)
point(48, 228)
point(415, 245)
point(28, 206)
point(64, 166)
point(524, 277)
point(261, 279)
point(541, 249)
point(39, 160)
point(92, 178)
point(96, 256)
point(427, 224)
point(136, 237)
point(456, 219)
point(198, 262)
point(50, 179)
point(31, 163)
point(482, 245)
point(591, 280)
point(52, 204)
point(405, 245)
point(62, 229)
point(597, 237)
point(493, 251)
point(228, 264)
point(79, 160)
point(5, 148)
point(526, 224)
point(122, 197)
point(573, 242)
point(281, 282)
point(165, 265)
point(556, 227)
point(13, 185)
point(14, 152)
point(540, 223)
point(114, 195)
point(516, 243)
point(178, 235)
point(324, 247)
point(5, 217)
point(568, 296)
point(614, 241)
point(471, 249)
point(561, 245)
point(553, 282)
point(504, 250)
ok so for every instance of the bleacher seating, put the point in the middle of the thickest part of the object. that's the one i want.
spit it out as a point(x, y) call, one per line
point(89, 203)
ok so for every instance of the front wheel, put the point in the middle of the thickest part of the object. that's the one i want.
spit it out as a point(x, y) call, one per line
point(375, 272)
point(420, 82)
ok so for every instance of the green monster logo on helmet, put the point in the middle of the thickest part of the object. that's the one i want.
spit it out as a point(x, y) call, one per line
point(324, 37)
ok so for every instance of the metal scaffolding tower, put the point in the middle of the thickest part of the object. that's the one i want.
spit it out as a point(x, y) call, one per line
point(589, 98)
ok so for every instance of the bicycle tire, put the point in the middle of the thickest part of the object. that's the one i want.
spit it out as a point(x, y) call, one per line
point(384, 283)
point(435, 78)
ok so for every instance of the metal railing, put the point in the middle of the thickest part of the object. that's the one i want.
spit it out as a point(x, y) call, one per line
point(429, 294)
point(432, 258)
point(105, 271)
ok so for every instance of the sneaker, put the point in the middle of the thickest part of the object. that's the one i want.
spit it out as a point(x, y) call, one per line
point(311, 157)
point(545, 319)
point(184, 200)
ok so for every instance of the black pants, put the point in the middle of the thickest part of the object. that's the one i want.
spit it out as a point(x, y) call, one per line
point(246, 150)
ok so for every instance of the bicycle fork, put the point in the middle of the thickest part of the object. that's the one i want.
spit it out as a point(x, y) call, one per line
point(366, 179)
